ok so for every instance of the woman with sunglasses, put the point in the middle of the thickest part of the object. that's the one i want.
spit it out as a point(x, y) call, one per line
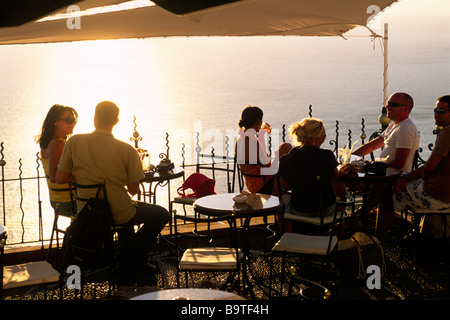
point(57, 127)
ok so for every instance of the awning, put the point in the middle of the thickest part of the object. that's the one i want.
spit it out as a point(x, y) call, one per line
point(237, 18)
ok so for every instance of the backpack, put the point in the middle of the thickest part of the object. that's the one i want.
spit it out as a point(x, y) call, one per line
point(200, 184)
point(88, 242)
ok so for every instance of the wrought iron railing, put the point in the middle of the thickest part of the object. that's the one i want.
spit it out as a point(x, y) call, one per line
point(14, 215)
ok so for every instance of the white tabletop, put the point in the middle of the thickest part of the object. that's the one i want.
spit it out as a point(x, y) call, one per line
point(2, 231)
point(188, 294)
point(222, 203)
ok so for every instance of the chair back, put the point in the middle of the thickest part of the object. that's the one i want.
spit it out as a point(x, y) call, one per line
point(89, 238)
point(323, 223)
point(417, 160)
point(218, 163)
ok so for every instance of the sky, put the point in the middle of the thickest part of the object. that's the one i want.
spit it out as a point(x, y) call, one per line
point(418, 18)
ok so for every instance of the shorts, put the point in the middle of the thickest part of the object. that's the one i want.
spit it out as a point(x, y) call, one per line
point(416, 197)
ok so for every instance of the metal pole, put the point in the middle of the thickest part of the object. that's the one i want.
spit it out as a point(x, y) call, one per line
point(383, 119)
point(385, 72)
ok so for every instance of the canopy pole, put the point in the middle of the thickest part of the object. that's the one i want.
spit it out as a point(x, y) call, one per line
point(385, 72)
point(383, 118)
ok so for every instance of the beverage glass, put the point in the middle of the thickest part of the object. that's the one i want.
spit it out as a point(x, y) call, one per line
point(266, 127)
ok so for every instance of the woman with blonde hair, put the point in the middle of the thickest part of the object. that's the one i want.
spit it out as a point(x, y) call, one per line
point(301, 167)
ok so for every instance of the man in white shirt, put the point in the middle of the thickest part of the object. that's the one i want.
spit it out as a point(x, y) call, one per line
point(400, 140)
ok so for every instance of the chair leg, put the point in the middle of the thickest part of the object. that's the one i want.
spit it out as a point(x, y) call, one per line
point(54, 228)
point(170, 217)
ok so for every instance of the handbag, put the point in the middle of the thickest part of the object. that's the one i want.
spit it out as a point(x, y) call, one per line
point(200, 185)
point(357, 253)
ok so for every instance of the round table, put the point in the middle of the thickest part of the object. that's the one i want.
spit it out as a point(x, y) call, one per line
point(3, 236)
point(188, 294)
point(257, 205)
point(3, 232)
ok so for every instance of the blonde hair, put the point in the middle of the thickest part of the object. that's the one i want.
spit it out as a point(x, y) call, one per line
point(303, 131)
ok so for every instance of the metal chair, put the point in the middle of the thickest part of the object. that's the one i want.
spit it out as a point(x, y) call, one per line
point(209, 254)
point(320, 245)
point(417, 214)
point(56, 230)
point(214, 164)
point(83, 194)
point(26, 274)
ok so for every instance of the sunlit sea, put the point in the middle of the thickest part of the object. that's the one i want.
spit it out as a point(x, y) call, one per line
point(179, 86)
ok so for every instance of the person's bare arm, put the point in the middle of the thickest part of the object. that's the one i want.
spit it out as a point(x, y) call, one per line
point(422, 172)
point(401, 155)
point(369, 147)
point(133, 188)
point(54, 156)
point(64, 177)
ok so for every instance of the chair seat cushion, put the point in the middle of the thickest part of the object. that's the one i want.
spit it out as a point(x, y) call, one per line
point(211, 258)
point(29, 274)
point(429, 211)
point(185, 200)
point(306, 219)
point(305, 244)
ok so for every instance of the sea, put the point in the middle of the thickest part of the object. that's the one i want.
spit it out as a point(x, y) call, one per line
point(168, 89)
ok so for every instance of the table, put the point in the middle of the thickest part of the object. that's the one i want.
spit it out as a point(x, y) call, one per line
point(160, 179)
point(188, 294)
point(361, 181)
point(367, 177)
point(257, 205)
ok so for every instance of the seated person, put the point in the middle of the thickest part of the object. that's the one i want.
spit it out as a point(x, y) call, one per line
point(303, 164)
point(427, 187)
point(57, 127)
point(399, 141)
point(99, 156)
point(255, 164)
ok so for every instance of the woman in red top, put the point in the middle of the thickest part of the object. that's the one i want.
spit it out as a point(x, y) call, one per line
point(258, 169)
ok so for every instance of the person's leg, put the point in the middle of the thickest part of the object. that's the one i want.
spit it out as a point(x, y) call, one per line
point(153, 218)
point(377, 194)
point(385, 215)
point(150, 220)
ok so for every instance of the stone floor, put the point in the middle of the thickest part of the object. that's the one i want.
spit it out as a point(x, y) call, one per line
point(425, 278)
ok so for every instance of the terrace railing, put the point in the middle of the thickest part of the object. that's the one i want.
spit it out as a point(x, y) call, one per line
point(25, 207)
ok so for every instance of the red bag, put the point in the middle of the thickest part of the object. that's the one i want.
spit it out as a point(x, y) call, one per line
point(200, 184)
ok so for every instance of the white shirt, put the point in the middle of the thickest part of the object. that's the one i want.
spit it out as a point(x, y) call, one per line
point(401, 135)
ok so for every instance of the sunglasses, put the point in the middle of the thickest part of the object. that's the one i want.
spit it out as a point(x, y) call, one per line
point(69, 120)
point(441, 110)
point(395, 104)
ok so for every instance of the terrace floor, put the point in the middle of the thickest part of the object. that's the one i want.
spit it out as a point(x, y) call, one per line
point(426, 278)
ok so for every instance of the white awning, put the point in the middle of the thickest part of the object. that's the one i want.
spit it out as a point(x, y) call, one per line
point(240, 18)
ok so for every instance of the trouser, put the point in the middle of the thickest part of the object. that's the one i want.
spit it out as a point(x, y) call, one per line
point(150, 219)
